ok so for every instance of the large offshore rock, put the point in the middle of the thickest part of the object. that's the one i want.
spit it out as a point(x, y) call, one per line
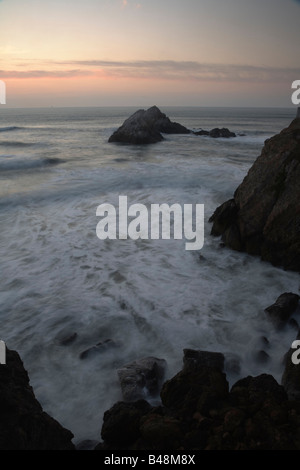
point(145, 127)
point(263, 218)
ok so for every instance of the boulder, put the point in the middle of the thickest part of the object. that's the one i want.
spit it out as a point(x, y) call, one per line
point(280, 312)
point(199, 387)
point(196, 359)
point(145, 127)
point(199, 412)
point(121, 423)
point(142, 378)
point(263, 218)
point(23, 424)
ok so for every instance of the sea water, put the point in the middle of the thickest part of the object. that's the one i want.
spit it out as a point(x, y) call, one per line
point(149, 297)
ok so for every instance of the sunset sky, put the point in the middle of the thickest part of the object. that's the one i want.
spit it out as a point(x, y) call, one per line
point(145, 52)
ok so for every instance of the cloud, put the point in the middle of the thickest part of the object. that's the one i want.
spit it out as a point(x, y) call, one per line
point(159, 70)
point(188, 70)
point(44, 73)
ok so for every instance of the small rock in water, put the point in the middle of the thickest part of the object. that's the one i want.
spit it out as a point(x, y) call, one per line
point(99, 347)
point(281, 311)
point(66, 340)
point(142, 377)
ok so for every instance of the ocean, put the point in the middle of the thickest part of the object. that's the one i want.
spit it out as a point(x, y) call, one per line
point(150, 297)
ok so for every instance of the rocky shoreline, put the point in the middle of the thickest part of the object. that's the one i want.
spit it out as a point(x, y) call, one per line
point(263, 217)
point(198, 410)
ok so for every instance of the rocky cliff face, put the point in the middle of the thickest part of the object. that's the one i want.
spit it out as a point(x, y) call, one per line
point(23, 423)
point(263, 218)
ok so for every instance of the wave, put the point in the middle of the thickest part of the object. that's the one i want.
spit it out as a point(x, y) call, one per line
point(16, 144)
point(10, 128)
point(19, 165)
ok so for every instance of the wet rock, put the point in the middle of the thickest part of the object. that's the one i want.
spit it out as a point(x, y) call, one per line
point(121, 424)
point(224, 132)
point(196, 388)
point(264, 214)
point(87, 444)
point(145, 127)
point(142, 378)
point(217, 133)
point(161, 432)
point(23, 424)
point(196, 359)
point(199, 412)
point(69, 339)
point(98, 348)
point(280, 312)
point(291, 375)
point(254, 391)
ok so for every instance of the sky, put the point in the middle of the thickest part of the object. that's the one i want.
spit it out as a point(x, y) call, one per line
point(146, 52)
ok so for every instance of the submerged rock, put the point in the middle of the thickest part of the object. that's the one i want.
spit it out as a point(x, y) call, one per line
point(98, 348)
point(142, 378)
point(145, 127)
point(23, 423)
point(263, 218)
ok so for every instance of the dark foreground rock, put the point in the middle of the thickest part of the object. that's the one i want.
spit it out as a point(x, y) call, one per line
point(23, 423)
point(263, 217)
point(146, 127)
point(281, 311)
point(200, 412)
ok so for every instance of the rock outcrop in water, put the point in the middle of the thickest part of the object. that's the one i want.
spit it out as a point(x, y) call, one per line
point(145, 127)
point(142, 378)
point(23, 423)
point(217, 133)
point(263, 217)
point(200, 412)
